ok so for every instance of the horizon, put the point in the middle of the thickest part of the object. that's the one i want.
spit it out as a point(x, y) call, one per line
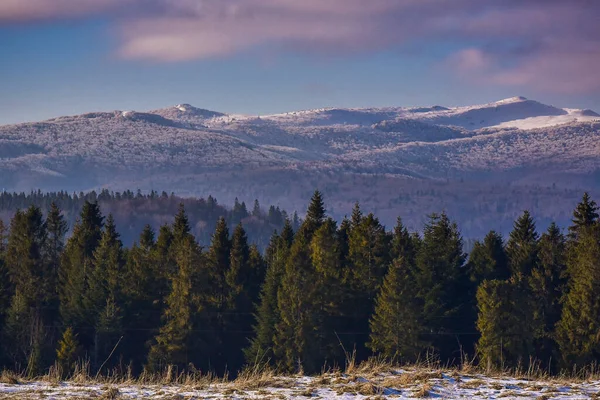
point(261, 57)
point(226, 112)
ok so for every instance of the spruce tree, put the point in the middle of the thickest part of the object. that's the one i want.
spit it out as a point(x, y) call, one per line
point(367, 264)
point(396, 325)
point(219, 259)
point(522, 246)
point(488, 259)
point(548, 283)
point(584, 216)
point(177, 343)
point(506, 324)
point(267, 312)
point(237, 313)
point(32, 277)
point(143, 296)
point(293, 344)
point(403, 243)
point(6, 290)
point(577, 330)
point(57, 229)
point(77, 264)
point(67, 353)
point(329, 293)
point(315, 215)
point(442, 285)
point(105, 292)
point(357, 216)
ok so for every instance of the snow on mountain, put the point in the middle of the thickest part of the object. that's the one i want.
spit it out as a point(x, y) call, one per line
point(372, 155)
point(190, 137)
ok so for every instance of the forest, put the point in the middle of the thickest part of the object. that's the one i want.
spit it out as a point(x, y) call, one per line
point(319, 293)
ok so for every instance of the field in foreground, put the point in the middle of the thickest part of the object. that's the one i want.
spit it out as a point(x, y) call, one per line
point(398, 384)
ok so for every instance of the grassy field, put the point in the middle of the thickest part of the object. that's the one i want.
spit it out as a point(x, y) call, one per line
point(374, 380)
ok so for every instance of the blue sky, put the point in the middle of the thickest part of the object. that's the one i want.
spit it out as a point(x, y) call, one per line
point(266, 56)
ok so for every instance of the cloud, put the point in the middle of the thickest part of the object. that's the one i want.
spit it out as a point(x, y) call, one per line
point(547, 44)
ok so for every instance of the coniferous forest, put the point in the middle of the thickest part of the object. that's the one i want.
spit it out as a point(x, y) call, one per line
point(320, 291)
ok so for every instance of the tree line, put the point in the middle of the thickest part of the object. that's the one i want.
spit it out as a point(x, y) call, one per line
point(316, 294)
point(133, 210)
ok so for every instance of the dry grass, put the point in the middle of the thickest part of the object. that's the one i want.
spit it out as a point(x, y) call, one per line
point(424, 390)
point(111, 393)
point(9, 378)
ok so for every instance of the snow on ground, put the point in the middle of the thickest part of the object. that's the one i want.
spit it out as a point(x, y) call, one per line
point(402, 384)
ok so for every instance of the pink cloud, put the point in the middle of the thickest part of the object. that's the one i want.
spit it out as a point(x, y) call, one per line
point(541, 43)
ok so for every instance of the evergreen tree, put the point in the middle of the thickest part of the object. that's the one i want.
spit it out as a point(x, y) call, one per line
point(105, 292)
point(77, 264)
point(548, 283)
point(315, 216)
point(396, 326)
point(577, 330)
point(143, 295)
point(67, 353)
point(239, 279)
point(57, 229)
point(267, 312)
point(6, 289)
point(293, 340)
point(177, 343)
point(442, 285)
point(506, 324)
point(488, 259)
point(219, 261)
point(357, 216)
point(522, 247)
point(329, 292)
point(32, 278)
point(403, 243)
point(181, 226)
point(584, 216)
point(367, 264)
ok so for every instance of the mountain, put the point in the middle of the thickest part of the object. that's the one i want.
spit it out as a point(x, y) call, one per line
point(487, 161)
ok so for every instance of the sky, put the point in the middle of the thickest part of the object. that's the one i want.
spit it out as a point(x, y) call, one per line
point(65, 57)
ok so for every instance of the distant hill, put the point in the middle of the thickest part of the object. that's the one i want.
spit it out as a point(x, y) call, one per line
point(481, 163)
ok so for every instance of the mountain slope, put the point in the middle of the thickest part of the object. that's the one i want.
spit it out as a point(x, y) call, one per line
point(281, 158)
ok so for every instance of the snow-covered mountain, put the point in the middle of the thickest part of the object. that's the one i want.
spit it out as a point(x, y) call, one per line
point(281, 158)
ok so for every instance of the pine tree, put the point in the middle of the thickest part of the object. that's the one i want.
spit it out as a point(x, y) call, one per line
point(219, 261)
point(522, 247)
point(357, 216)
point(396, 326)
point(293, 344)
point(577, 330)
point(105, 291)
point(67, 353)
point(443, 286)
point(584, 216)
point(57, 229)
point(6, 290)
point(267, 312)
point(367, 264)
point(403, 243)
point(237, 313)
point(329, 292)
point(548, 283)
point(143, 295)
point(506, 323)
point(34, 288)
point(181, 226)
point(315, 216)
point(77, 264)
point(488, 259)
point(177, 343)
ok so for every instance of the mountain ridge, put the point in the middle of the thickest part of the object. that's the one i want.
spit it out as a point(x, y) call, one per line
point(371, 155)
